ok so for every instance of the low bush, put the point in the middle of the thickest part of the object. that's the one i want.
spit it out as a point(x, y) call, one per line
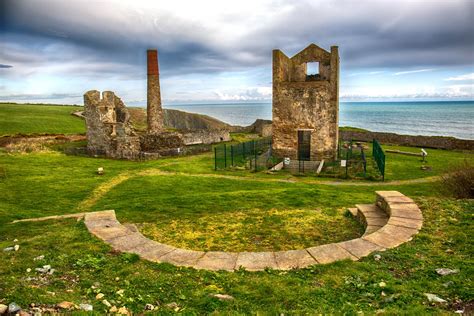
point(459, 181)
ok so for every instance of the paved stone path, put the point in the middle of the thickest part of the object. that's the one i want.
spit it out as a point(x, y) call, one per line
point(393, 220)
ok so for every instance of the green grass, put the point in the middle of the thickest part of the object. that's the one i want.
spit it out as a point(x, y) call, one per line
point(232, 215)
point(39, 119)
point(183, 201)
point(52, 183)
point(351, 129)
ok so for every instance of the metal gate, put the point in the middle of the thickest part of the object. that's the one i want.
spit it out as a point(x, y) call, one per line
point(304, 145)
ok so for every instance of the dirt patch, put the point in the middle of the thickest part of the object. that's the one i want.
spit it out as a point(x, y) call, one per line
point(36, 143)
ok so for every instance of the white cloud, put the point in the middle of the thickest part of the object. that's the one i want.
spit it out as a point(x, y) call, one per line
point(411, 71)
point(461, 77)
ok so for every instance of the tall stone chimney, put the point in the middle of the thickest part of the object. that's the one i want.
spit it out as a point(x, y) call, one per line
point(154, 110)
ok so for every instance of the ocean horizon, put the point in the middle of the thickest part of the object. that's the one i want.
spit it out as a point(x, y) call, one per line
point(429, 118)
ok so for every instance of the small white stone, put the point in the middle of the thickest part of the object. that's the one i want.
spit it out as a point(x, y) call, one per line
point(223, 297)
point(382, 284)
point(86, 307)
point(15, 240)
point(434, 298)
point(377, 257)
point(444, 271)
point(99, 296)
point(106, 303)
point(16, 247)
point(27, 270)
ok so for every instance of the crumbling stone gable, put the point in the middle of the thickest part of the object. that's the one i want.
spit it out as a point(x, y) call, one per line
point(303, 102)
point(109, 131)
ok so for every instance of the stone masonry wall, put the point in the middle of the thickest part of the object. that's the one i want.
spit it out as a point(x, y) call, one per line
point(439, 142)
point(206, 137)
point(154, 109)
point(306, 103)
point(109, 131)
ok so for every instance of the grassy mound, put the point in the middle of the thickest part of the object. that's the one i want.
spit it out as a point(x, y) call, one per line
point(39, 119)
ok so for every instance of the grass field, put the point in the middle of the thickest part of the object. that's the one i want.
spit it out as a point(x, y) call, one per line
point(39, 119)
point(183, 201)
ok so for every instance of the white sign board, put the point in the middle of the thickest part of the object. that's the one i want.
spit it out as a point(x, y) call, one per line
point(343, 163)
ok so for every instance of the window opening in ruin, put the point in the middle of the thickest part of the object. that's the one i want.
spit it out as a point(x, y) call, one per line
point(312, 71)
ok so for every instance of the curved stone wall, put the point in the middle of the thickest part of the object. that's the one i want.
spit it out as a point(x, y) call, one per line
point(394, 219)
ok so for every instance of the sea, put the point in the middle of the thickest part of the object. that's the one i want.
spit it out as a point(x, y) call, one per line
point(431, 118)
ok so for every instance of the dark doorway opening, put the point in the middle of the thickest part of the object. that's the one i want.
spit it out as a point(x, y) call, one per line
point(304, 145)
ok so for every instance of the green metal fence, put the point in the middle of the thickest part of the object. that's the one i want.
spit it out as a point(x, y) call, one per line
point(254, 154)
point(379, 157)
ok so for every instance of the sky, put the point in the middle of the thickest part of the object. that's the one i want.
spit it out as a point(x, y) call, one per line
point(53, 51)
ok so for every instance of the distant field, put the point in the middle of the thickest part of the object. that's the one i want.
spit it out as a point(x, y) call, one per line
point(32, 119)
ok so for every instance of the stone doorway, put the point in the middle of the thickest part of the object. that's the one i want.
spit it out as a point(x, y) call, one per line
point(304, 145)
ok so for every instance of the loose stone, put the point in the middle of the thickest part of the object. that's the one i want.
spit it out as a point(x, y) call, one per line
point(223, 297)
point(106, 303)
point(45, 269)
point(377, 257)
point(86, 307)
point(123, 311)
point(444, 271)
point(149, 307)
point(66, 305)
point(3, 308)
point(434, 298)
point(99, 296)
point(13, 308)
point(39, 258)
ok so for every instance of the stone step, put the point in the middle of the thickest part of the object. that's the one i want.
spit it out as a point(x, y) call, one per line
point(353, 211)
point(372, 216)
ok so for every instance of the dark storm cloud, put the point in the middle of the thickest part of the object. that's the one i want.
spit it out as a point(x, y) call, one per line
point(371, 34)
point(5, 66)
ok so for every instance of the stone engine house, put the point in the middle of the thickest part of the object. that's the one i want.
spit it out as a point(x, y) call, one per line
point(306, 104)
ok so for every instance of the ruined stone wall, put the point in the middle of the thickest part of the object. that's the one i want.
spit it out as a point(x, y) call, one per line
point(161, 141)
point(109, 131)
point(206, 137)
point(439, 142)
point(306, 103)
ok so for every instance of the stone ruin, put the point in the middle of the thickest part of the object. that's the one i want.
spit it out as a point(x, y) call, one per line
point(110, 132)
point(306, 105)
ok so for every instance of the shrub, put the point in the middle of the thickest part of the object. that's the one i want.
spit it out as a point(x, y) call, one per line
point(459, 181)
